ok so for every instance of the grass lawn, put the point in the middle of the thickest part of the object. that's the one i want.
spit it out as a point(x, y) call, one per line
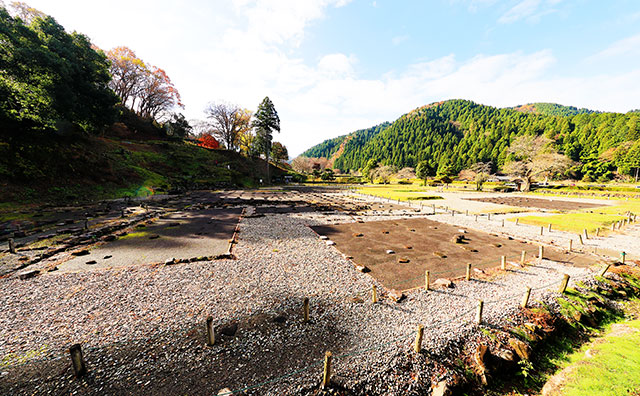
point(612, 369)
point(403, 192)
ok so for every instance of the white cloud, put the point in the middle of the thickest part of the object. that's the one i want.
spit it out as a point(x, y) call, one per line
point(531, 10)
point(397, 40)
point(628, 47)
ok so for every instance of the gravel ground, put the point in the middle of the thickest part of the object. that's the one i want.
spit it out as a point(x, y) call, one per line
point(142, 326)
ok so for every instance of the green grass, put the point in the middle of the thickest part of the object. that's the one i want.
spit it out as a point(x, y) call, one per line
point(613, 370)
point(573, 222)
point(401, 192)
point(137, 234)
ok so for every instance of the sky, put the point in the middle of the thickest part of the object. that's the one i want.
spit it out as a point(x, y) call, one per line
point(334, 66)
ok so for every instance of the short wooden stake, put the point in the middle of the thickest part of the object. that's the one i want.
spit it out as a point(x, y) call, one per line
point(305, 309)
point(605, 269)
point(211, 335)
point(525, 299)
point(503, 222)
point(613, 226)
point(523, 257)
point(503, 263)
point(418, 345)
point(479, 313)
point(12, 246)
point(469, 271)
point(326, 376)
point(374, 294)
point(426, 280)
point(77, 361)
point(623, 256)
point(434, 208)
point(580, 239)
point(570, 244)
point(565, 282)
point(488, 216)
point(598, 232)
point(467, 212)
point(586, 235)
point(549, 228)
point(476, 218)
point(517, 220)
point(541, 230)
point(541, 252)
point(452, 212)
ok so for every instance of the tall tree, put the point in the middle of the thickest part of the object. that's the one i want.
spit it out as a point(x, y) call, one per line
point(229, 122)
point(423, 171)
point(128, 73)
point(266, 121)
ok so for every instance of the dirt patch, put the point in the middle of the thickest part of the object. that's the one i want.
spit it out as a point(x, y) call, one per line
point(398, 252)
point(538, 203)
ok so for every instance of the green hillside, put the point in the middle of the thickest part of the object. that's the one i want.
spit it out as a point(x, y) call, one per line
point(455, 134)
point(353, 140)
point(325, 149)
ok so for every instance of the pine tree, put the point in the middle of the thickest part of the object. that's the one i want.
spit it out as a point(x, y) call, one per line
point(265, 122)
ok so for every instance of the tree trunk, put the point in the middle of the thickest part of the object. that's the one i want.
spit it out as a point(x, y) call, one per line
point(637, 175)
point(526, 184)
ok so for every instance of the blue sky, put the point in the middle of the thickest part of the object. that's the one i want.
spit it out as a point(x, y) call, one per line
point(334, 66)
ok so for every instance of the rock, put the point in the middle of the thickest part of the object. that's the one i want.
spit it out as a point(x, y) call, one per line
point(330, 243)
point(52, 269)
point(154, 236)
point(396, 296)
point(480, 360)
point(109, 238)
point(229, 330)
point(522, 349)
point(83, 252)
point(169, 261)
point(443, 283)
point(440, 254)
point(462, 231)
point(506, 355)
point(478, 271)
point(358, 235)
point(363, 268)
point(403, 260)
point(408, 247)
point(28, 274)
point(324, 237)
point(107, 257)
point(91, 262)
point(389, 251)
point(458, 239)
point(441, 389)
point(225, 392)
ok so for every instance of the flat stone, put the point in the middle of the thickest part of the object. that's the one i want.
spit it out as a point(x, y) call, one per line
point(521, 348)
point(91, 262)
point(363, 268)
point(396, 295)
point(28, 274)
point(389, 251)
point(109, 238)
point(225, 392)
point(107, 257)
point(170, 261)
point(330, 243)
point(403, 260)
point(280, 319)
point(324, 237)
point(444, 283)
point(83, 252)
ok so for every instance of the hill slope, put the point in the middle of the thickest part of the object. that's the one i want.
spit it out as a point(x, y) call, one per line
point(455, 134)
point(553, 109)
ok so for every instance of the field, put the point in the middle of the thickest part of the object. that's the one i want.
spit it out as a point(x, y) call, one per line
point(141, 323)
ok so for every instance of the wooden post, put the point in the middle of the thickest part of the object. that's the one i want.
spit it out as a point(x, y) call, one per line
point(12, 246)
point(467, 212)
point(541, 230)
point(433, 206)
point(469, 271)
point(623, 256)
point(488, 216)
point(549, 228)
point(305, 309)
point(570, 244)
point(211, 335)
point(613, 226)
point(580, 239)
point(605, 269)
point(326, 376)
point(523, 257)
point(597, 232)
point(586, 235)
point(374, 294)
point(565, 282)
point(541, 252)
point(503, 222)
point(476, 218)
point(452, 212)
point(503, 263)
point(418, 345)
point(517, 220)
point(479, 313)
point(426, 280)
point(525, 300)
point(77, 361)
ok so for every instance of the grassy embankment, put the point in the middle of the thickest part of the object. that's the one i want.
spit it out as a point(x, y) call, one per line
point(68, 171)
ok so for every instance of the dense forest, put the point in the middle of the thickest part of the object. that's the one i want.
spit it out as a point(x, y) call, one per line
point(456, 134)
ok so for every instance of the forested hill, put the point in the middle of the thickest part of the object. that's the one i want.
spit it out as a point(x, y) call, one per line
point(455, 134)
point(330, 147)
